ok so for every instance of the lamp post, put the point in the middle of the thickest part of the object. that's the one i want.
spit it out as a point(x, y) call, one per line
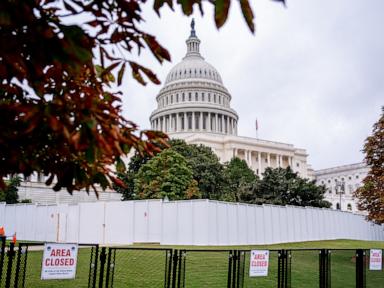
point(340, 189)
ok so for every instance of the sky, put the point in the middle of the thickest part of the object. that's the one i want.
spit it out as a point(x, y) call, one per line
point(312, 74)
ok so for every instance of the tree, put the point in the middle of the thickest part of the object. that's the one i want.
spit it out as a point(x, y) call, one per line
point(282, 186)
point(240, 179)
point(9, 194)
point(206, 168)
point(59, 116)
point(371, 195)
point(166, 174)
point(128, 176)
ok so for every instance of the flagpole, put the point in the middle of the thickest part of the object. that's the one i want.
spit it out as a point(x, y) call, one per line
point(257, 130)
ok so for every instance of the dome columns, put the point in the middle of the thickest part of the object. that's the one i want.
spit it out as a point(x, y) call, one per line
point(194, 121)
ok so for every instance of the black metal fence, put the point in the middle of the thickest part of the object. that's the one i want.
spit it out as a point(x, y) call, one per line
point(20, 266)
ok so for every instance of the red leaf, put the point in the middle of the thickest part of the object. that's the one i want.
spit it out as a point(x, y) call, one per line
point(248, 14)
point(221, 12)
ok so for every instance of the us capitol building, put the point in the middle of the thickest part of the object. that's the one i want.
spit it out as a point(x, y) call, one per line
point(194, 105)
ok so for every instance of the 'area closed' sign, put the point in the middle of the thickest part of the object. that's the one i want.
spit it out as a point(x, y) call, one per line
point(59, 261)
point(259, 262)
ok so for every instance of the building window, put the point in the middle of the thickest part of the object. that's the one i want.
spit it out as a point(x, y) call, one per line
point(329, 181)
point(183, 97)
point(349, 207)
point(357, 176)
point(214, 98)
point(297, 164)
point(171, 98)
point(338, 206)
point(350, 178)
point(190, 96)
point(202, 97)
point(166, 100)
point(209, 97)
point(196, 97)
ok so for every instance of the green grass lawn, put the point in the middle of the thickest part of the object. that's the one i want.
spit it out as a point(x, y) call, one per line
point(146, 268)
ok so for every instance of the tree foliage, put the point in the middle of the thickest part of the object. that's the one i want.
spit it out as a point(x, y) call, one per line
point(128, 177)
point(206, 168)
point(284, 187)
point(239, 180)
point(371, 195)
point(59, 116)
point(9, 194)
point(166, 174)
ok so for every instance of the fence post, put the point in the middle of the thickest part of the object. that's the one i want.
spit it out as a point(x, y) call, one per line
point(234, 269)
point(93, 266)
point(2, 255)
point(18, 261)
point(174, 267)
point(325, 268)
point(360, 268)
point(284, 269)
point(103, 257)
point(10, 254)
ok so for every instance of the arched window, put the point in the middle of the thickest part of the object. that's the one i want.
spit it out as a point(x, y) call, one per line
point(338, 206)
point(349, 207)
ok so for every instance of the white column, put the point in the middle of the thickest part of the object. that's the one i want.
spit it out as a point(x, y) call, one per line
point(201, 121)
point(193, 121)
point(185, 121)
point(217, 123)
point(278, 158)
point(259, 162)
point(177, 128)
point(268, 159)
point(234, 152)
point(228, 130)
point(209, 122)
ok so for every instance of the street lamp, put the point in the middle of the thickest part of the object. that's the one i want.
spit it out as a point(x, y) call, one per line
point(340, 189)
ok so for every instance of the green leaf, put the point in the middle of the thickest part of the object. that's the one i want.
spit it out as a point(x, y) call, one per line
point(120, 166)
point(248, 14)
point(221, 12)
point(120, 74)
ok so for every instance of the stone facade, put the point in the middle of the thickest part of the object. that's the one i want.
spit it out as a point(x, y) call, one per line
point(341, 182)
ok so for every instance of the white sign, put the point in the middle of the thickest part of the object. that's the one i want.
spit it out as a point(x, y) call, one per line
point(59, 261)
point(259, 262)
point(375, 259)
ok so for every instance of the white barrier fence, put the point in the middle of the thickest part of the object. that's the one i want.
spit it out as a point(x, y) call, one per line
point(194, 222)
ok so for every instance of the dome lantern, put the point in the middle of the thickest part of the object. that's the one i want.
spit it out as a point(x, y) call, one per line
point(193, 43)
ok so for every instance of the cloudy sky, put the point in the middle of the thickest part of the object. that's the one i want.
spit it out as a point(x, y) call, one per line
point(312, 74)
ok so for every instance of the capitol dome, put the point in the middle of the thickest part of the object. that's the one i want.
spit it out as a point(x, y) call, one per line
point(193, 98)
